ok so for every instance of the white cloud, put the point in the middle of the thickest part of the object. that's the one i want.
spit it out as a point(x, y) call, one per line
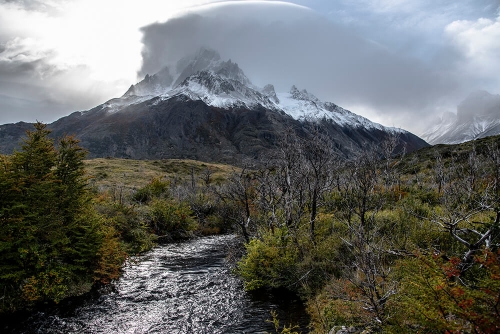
point(479, 42)
point(70, 55)
point(288, 45)
point(57, 56)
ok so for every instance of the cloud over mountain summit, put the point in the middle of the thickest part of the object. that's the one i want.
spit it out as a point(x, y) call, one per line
point(397, 62)
point(286, 44)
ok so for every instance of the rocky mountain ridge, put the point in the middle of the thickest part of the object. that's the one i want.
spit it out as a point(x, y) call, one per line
point(478, 116)
point(206, 108)
point(223, 84)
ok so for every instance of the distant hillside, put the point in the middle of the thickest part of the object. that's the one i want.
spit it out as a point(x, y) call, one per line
point(425, 158)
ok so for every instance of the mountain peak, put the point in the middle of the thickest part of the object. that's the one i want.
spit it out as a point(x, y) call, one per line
point(270, 93)
point(478, 116)
point(231, 70)
point(207, 53)
point(209, 60)
point(201, 59)
point(190, 65)
point(303, 95)
point(154, 84)
point(479, 94)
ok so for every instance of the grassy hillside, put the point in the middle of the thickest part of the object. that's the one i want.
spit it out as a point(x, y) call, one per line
point(461, 151)
point(134, 174)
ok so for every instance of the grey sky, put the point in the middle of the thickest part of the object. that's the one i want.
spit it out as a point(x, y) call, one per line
point(398, 62)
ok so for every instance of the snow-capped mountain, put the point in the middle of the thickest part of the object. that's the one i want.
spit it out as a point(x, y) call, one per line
point(223, 84)
point(206, 108)
point(478, 116)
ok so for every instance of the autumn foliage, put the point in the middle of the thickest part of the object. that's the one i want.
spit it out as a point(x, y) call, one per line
point(387, 243)
point(436, 296)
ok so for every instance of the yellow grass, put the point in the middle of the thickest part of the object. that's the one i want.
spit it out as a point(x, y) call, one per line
point(108, 173)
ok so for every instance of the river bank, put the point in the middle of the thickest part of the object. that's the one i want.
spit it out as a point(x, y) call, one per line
point(185, 287)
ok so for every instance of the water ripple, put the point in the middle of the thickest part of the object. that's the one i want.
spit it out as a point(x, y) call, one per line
point(175, 288)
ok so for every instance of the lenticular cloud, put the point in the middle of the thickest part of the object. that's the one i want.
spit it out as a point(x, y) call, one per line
point(287, 44)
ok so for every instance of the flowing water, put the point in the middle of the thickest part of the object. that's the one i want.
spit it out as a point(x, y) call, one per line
point(176, 288)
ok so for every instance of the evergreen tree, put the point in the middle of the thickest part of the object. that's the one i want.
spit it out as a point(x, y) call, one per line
point(52, 242)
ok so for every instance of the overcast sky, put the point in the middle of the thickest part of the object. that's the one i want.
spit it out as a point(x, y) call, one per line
point(398, 62)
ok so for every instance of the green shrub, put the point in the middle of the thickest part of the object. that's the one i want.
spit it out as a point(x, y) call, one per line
point(270, 262)
point(130, 224)
point(155, 189)
point(329, 312)
point(436, 297)
point(169, 217)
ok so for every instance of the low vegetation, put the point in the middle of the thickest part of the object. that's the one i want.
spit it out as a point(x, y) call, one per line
point(67, 224)
point(383, 242)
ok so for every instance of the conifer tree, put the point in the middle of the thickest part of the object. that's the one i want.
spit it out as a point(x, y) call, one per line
point(52, 241)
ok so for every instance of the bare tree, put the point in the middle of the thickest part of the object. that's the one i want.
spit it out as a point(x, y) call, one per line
point(469, 202)
point(270, 196)
point(318, 156)
point(366, 182)
point(290, 178)
point(239, 193)
point(393, 153)
point(304, 172)
point(206, 176)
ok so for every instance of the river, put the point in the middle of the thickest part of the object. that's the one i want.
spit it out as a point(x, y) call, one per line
point(183, 287)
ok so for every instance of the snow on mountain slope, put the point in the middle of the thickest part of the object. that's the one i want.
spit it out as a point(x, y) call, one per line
point(302, 105)
point(458, 132)
point(223, 84)
point(220, 91)
point(161, 117)
point(477, 116)
point(444, 124)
